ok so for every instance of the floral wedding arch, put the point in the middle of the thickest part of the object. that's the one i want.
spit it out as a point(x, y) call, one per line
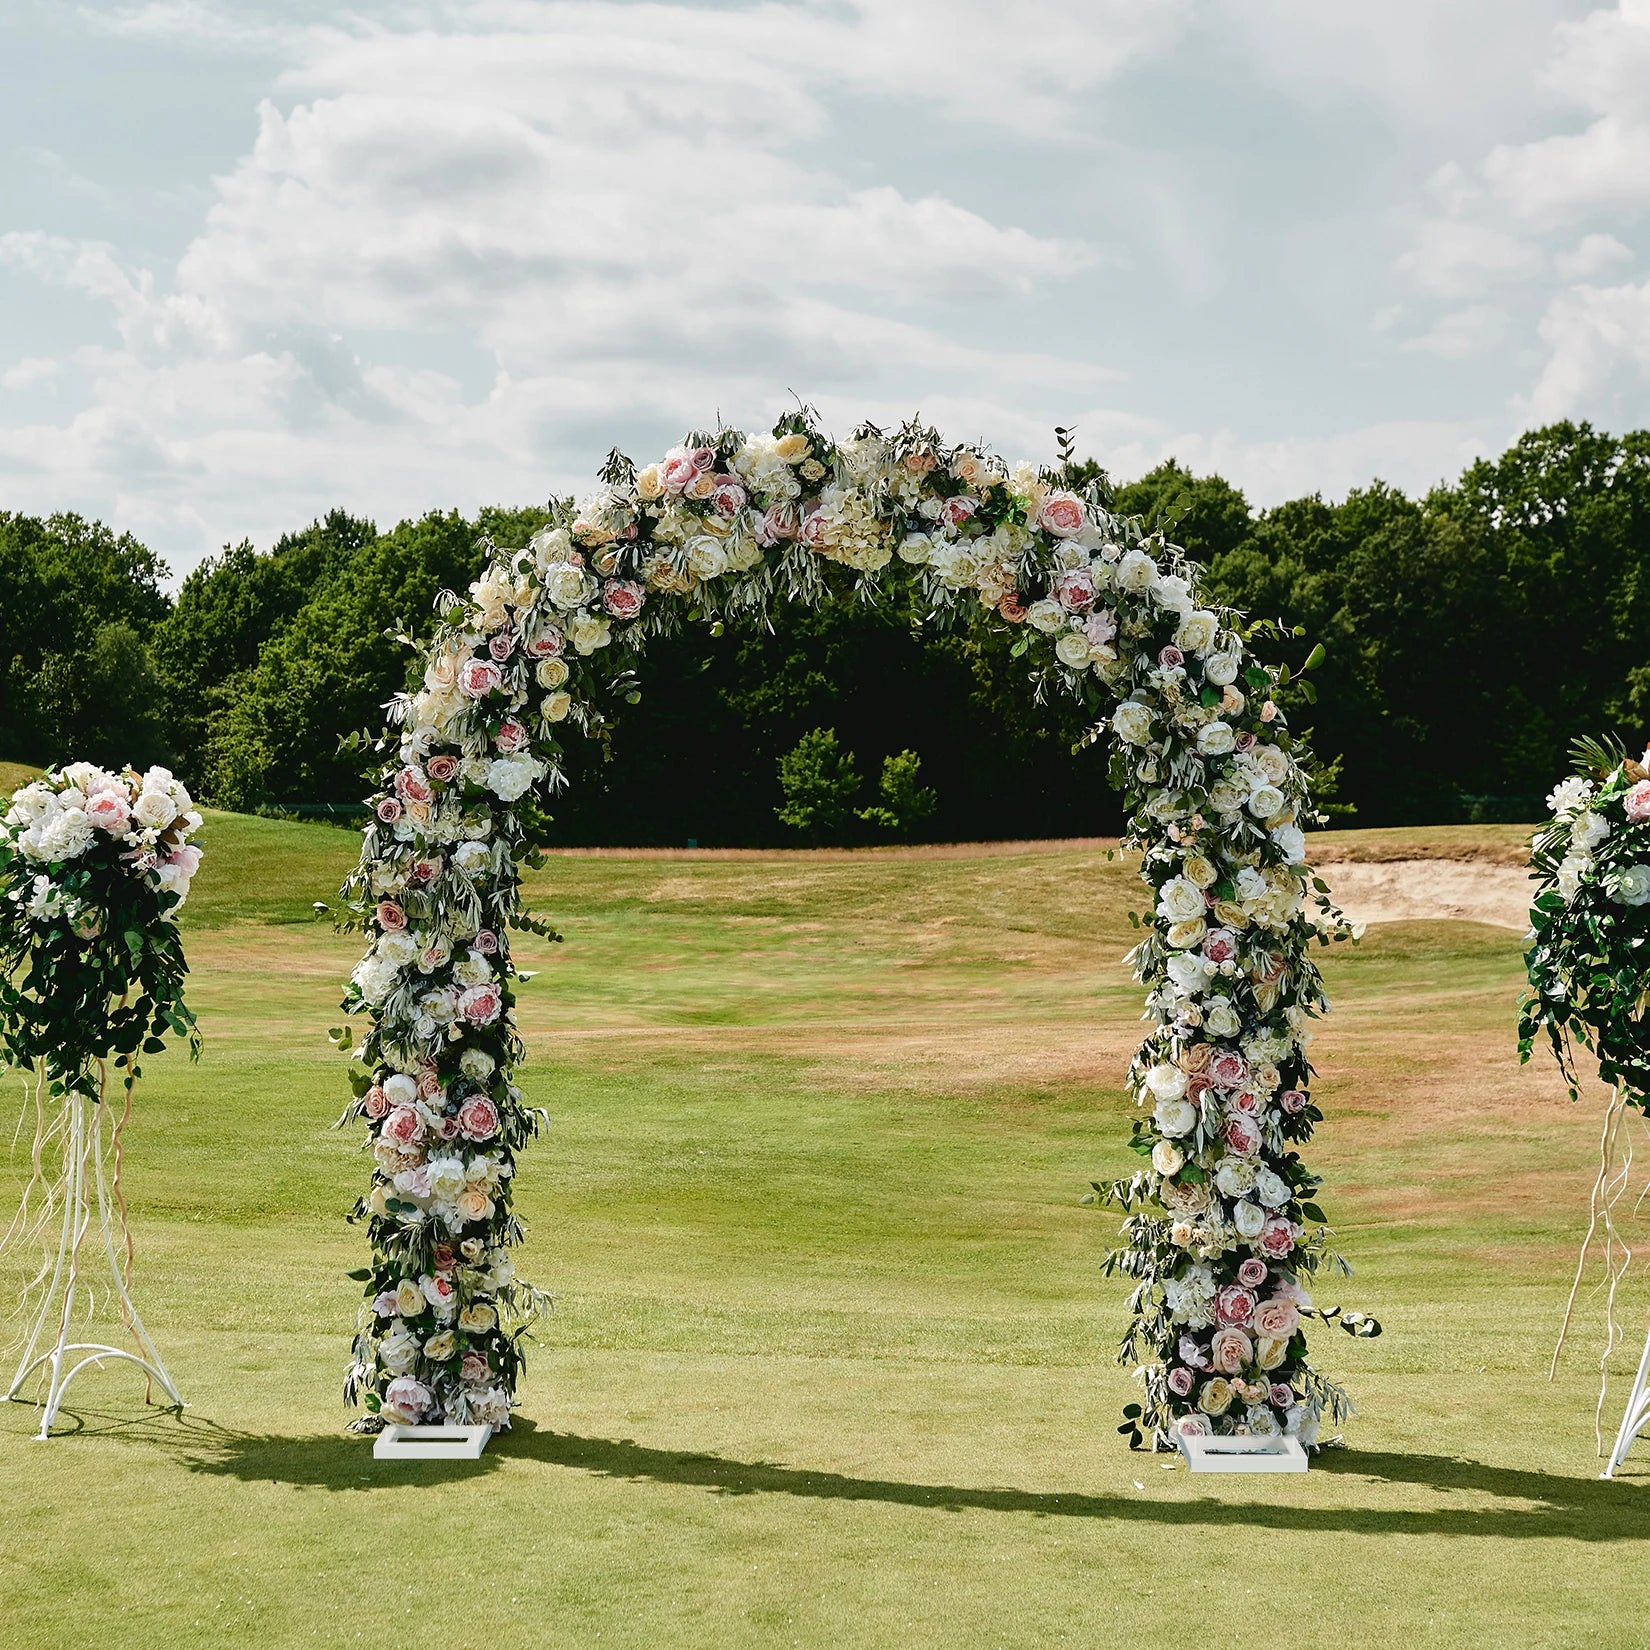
point(1224, 1233)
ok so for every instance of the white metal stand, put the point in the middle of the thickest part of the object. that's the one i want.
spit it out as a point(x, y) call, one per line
point(1248, 1454)
point(84, 1154)
point(433, 1443)
point(1638, 1412)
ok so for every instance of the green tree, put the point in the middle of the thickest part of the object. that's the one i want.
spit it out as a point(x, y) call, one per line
point(905, 800)
point(820, 782)
point(103, 703)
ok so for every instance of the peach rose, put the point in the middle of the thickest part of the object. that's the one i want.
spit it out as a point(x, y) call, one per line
point(1277, 1319)
point(442, 768)
point(108, 810)
point(1062, 514)
point(1229, 1350)
point(391, 918)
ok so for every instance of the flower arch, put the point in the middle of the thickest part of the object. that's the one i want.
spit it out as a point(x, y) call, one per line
point(1222, 1233)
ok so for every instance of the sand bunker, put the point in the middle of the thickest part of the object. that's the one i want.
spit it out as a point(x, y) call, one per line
point(1403, 890)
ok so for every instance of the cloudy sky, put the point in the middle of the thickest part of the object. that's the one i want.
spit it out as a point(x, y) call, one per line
point(260, 259)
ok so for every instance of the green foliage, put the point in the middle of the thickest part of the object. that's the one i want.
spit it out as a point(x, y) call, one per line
point(103, 703)
point(905, 800)
point(820, 781)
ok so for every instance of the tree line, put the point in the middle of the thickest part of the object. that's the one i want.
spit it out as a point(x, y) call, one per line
point(1470, 635)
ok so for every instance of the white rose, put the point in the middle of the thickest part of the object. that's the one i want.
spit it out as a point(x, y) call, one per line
point(1271, 1189)
point(1265, 800)
point(1196, 632)
point(1572, 869)
point(1166, 1082)
point(1292, 841)
point(1631, 884)
point(1173, 592)
point(587, 633)
point(1167, 1159)
point(472, 858)
point(1272, 762)
point(553, 707)
point(1589, 830)
point(1235, 1176)
point(1216, 739)
point(1073, 649)
point(1132, 722)
point(1200, 870)
point(397, 949)
point(1180, 900)
point(551, 673)
point(1221, 669)
point(568, 586)
point(1175, 1117)
point(1188, 972)
point(1135, 571)
point(400, 1089)
point(1046, 616)
point(1248, 1218)
point(446, 1177)
point(1221, 1019)
point(511, 777)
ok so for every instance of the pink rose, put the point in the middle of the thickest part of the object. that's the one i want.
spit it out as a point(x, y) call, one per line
point(1100, 628)
point(1252, 1273)
point(1075, 590)
point(481, 1004)
point(547, 646)
point(511, 736)
point(391, 918)
point(1062, 514)
point(1245, 742)
point(1249, 1103)
point(778, 521)
point(384, 1304)
point(186, 861)
point(442, 768)
point(678, 472)
point(486, 942)
point(1283, 1397)
point(429, 1082)
point(447, 1128)
point(478, 1118)
point(1013, 609)
point(1194, 1426)
point(1242, 1135)
point(405, 1401)
point(412, 786)
point(1169, 657)
point(1180, 1381)
point(478, 677)
point(108, 810)
point(1277, 1238)
point(729, 497)
point(422, 871)
point(1228, 1069)
point(1220, 945)
point(389, 809)
point(959, 508)
point(919, 464)
point(438, 1290)
point(623, 598)
point(472, 1370)
point(502, 645)
point(1292, 1101)
point(1235, 1306)
point(1277, 1319)
point(1229, 1351)
point(404, 1126)
point(374, 1102)
point(1636, 803)
point(704, 459)
point(1198, 1085)
point(812, 530)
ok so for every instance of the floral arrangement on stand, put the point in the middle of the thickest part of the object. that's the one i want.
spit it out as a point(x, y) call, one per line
point(1588, 964)
point(718, 530)
point(93, 869)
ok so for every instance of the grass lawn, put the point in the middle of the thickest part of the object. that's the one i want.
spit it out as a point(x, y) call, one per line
point(832, 1359)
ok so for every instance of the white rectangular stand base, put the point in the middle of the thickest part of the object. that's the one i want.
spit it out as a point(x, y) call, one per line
point(444, 1443)
point(1243, 1454)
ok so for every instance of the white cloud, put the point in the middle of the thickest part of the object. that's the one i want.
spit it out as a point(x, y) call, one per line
point(1462, 333)
point(1592, 255)
point(1596, 337)
point(27, 373)
point(1461, 259)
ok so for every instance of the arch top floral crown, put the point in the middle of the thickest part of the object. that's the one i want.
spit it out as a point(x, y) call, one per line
point(1224, 1232)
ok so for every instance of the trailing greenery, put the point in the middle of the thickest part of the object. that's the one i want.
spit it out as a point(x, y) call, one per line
point(1509, 601)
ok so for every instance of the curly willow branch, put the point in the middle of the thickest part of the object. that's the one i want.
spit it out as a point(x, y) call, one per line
point(1096, 607)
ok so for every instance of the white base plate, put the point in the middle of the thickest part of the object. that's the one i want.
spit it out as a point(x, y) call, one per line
point(1243, 1454)
point(444, 1443)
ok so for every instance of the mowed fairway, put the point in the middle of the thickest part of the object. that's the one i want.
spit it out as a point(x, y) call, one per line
point(832, 1362)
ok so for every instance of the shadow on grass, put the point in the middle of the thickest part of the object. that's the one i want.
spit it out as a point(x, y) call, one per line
point(1555, 1506)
